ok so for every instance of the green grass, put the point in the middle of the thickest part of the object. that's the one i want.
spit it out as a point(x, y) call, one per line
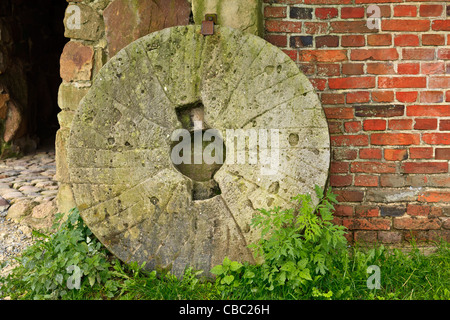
point(305, 258)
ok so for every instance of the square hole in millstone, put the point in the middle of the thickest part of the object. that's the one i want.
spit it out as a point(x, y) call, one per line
point(197, 151)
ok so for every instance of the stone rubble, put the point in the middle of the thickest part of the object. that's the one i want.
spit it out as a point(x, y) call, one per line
point(27, 200)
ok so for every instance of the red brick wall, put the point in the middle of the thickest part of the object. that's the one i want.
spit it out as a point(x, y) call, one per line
point(386, 94)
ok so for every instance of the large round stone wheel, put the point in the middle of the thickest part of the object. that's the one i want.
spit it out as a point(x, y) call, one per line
point(142, 206)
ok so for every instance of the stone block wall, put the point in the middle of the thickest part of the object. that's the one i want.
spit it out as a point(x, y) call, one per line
point(385, 93)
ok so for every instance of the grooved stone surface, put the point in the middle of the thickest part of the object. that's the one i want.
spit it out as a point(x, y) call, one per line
point(124, 183)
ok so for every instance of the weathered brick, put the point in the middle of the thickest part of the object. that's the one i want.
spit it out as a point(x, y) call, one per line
point(339, 112)
point(333, 98)
point(416, 223)
point(358, 97)
point(343, 211)
point(439, 82)
point(367, 224)
point(433, 39)
point(349, 195)
point(435, 196)
point(327, 1)
point(374, 54)
point(366, 181)
point(326, 13)
point(350, 140)
point(389, 237)
point(405, 11)
point(421, 153)
point(351, 82)
point(407, 97)
point(379, 39)
point(400, 124)
point(436, 138)
point(408, 68)
point(318, 83)
point(402, 82)
point(439, 180)
point(394, 139)
point(125, 23)
point(406, 40)
point(425, 124)
point(300, 13)
point(293, 54)
point(339, 166)
point(279, 40)
point(359, 26)
point(352, 68)
point(418, 210)
point(300, 41)
point(352, 126)
point(383, 96)
point(370, 153)
point(395, 154)
point(327, 41)
point(316, 27)
point(428, 111)
point(440, 25)
point(353, 41)
point(322, 55)
point(431, 96)
point(275, 12)
point(383, 111)
point(341, 180)
point(374, 125)
point(433, 67)
point(328, 69)
point(372, 167)
point(424, 167)
point(365, 211)
point(365, 236)
point(384, 195)
point(283, 26)
point(380, 68)
point(405, 25)
point(444, 125)
point(344, 154)
point(431, 10)
point(352, 12)
point(392, 211)
point(418, 53)
point(76, 62)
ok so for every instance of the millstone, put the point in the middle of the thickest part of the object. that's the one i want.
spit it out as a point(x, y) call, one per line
point(130, 193)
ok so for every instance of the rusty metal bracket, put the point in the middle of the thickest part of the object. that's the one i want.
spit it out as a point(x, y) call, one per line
point(208, 24)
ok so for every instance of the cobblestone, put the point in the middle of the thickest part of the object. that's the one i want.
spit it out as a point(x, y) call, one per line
point(25, 182)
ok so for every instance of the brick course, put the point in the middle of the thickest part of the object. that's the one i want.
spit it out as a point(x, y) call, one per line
point(387, 102)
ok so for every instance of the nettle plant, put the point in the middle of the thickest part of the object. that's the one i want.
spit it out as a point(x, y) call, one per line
point(69, 258)
point(298, 245)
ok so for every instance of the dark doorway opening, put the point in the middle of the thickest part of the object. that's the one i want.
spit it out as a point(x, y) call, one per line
point(31, 42)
